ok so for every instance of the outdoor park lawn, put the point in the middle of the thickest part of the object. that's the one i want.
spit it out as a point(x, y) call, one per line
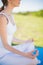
point(28, 27)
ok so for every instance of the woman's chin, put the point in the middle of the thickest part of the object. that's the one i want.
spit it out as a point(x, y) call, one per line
point(17, 6)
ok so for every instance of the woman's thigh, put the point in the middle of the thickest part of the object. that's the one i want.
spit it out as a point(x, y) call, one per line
point(25, 47)
point(12, 59)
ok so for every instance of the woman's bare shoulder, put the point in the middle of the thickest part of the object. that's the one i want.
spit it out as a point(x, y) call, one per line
point(3, 19)
point(2, 23)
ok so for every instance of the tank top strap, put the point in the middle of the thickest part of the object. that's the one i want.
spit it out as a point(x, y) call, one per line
point(7, 18)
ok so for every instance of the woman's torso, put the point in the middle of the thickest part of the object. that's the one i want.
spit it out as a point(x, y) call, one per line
point(11, 28)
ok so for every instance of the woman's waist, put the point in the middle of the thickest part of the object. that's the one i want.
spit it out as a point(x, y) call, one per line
point(3, 51)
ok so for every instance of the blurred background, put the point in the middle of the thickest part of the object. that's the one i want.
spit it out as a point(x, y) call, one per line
point(29, 20)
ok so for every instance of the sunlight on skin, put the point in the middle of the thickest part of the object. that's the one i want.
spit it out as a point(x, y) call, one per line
point(30, 27)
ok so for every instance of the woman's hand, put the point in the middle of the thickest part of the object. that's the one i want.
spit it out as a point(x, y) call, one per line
point(30, 40)
point(30, 55)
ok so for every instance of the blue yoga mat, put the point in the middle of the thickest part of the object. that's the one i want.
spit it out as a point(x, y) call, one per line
point(40, 55)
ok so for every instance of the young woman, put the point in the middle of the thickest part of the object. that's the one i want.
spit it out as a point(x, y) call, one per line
point(17, 55)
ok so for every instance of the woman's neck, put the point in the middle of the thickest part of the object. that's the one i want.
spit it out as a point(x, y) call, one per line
point(8, 9)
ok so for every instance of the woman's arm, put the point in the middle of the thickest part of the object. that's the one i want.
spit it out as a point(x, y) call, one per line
point(3, 34)
point(18, 40)
point(21, 41)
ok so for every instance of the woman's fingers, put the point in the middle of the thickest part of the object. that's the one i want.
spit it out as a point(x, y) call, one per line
point(30, 40)
point(32, 56)
point(37, 53)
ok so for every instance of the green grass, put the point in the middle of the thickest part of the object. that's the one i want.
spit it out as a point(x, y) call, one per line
point(29, 27)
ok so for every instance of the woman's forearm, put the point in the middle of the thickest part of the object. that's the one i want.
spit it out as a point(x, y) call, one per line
point(23, 41)
point(13, 50)
point(17, 40)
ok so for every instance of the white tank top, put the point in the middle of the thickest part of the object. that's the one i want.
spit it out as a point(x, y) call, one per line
point(11, 28)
